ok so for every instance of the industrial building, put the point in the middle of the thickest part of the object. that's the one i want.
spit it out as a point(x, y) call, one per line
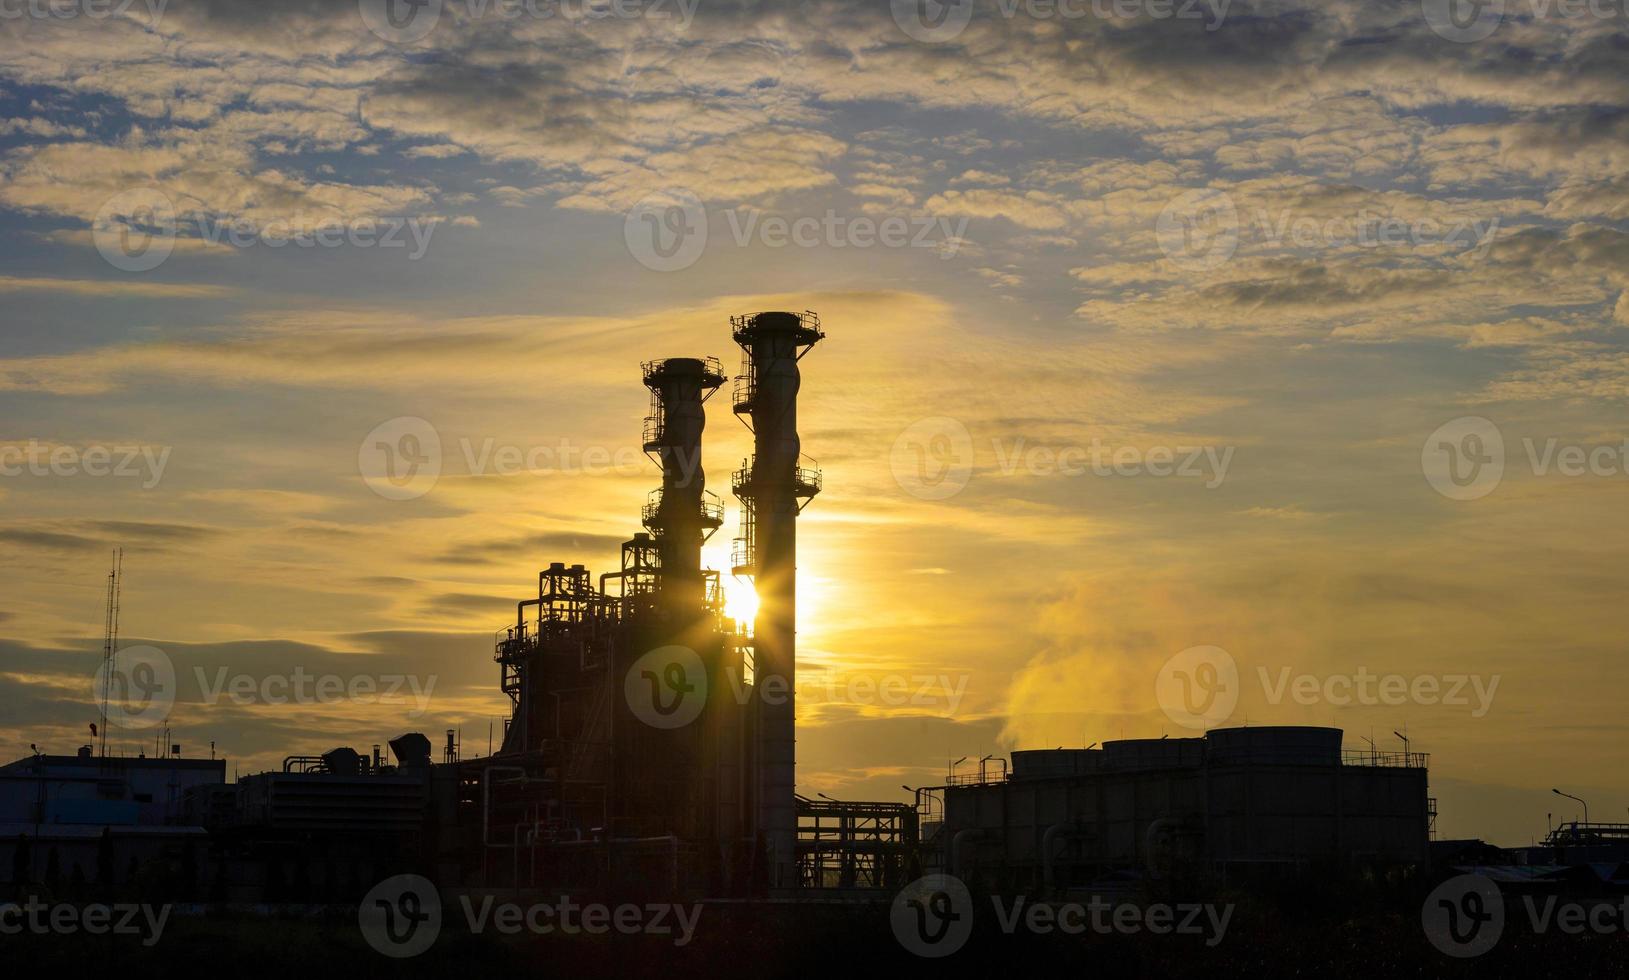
point(1235, 802)
point(589, 786)
point(65, 814)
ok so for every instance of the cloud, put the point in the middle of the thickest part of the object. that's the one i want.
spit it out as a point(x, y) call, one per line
point(105, 287)
point(85, 536)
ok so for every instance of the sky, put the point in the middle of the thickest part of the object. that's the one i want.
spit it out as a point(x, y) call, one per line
point(1278, 347)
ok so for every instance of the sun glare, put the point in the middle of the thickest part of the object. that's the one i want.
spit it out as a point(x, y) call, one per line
point(740, 599)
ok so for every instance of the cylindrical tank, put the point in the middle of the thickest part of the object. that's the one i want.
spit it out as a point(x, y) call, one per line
point(1055, 763)
point(1287, 745)
point(1153, 753)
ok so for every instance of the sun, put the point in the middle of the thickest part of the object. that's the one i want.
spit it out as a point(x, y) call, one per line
point(740, 599)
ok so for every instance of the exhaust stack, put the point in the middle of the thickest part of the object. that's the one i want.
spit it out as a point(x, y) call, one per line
point(682, 514)
point(773, 488)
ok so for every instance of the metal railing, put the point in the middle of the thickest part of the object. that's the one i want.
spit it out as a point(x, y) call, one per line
point(807, 481)
point(712, 510)
point(742, 392)
point(808, 319)
point(741, 557)
point(989, 771)
point(711, 366)
point(1395, 760)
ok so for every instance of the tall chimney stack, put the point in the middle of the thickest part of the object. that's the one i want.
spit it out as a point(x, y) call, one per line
point(680, 514)
point(773, 488)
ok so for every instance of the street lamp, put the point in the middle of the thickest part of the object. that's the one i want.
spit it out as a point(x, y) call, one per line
point(1572, 797)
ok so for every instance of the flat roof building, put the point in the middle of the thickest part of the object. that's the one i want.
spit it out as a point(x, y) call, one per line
point(1235, 799)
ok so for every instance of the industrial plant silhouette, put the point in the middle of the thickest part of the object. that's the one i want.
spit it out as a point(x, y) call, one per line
point(650, 755)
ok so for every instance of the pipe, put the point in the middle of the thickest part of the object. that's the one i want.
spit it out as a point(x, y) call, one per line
point(520, 611)
point(958, 866)
point(1049, 838)
point(486, 798)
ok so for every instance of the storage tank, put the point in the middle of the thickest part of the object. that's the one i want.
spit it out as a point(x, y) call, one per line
point(1280, 745)
point(1153, 753)
point(1055, 763)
